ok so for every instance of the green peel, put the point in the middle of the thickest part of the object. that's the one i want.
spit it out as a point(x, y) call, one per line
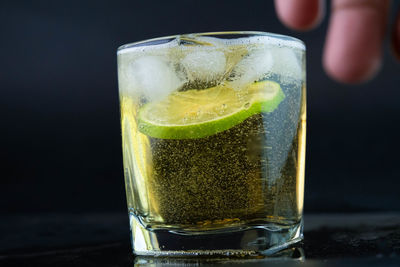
point(264, 96)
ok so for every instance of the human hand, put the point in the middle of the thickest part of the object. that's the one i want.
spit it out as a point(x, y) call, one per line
point(353, 46)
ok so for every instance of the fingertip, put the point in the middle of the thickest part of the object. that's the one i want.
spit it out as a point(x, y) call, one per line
point(353, 48)
point(349, 74)
point(300, 14)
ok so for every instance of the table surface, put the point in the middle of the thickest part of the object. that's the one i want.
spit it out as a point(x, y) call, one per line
point(103, 240)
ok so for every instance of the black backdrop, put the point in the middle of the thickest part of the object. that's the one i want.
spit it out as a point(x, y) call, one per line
point(60, 134)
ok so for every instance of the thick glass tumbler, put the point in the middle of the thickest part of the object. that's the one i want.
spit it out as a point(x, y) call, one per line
point(213, 137)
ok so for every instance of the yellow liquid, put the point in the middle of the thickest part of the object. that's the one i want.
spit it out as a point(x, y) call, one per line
point(250, 174)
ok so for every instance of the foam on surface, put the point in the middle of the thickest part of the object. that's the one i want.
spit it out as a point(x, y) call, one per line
point(258, 38)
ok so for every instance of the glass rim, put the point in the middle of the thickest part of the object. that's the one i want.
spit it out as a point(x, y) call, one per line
point(296, 43)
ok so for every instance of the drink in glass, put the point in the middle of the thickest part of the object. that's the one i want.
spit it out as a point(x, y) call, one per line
point(213, 137)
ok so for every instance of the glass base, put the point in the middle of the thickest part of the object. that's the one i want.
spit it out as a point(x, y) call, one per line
point(289, 257)
point(246, 241)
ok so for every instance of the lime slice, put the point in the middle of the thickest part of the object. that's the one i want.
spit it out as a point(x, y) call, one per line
point(201, 113)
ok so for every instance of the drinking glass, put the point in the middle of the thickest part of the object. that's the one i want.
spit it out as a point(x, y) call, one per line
point(213, 139)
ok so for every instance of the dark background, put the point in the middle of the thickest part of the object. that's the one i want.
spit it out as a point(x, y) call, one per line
point(60, 145)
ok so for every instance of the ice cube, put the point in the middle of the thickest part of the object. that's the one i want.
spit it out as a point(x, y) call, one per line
point(153, 77)
point(251, 68)
point(286, 63)
point(204, 65)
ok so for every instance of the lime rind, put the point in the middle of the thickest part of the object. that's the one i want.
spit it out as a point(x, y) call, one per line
point(211, 127)
point(269, 106)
